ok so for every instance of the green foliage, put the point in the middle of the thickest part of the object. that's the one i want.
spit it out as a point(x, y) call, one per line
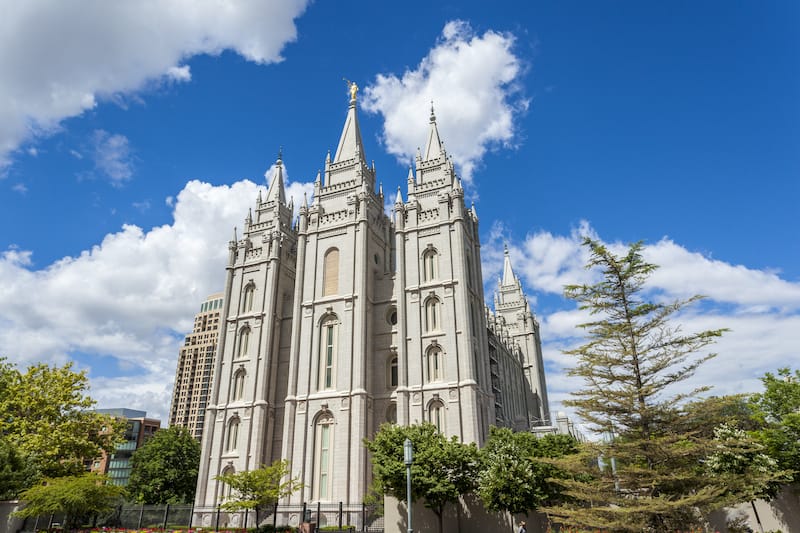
point(442, 469)
point(48, 421)
point(742, 466)
point(16, 474)
point(164, 469)
point(259, 489)
point(511, 479)
point(77, 497)
point(779, 409)
point(648, 474)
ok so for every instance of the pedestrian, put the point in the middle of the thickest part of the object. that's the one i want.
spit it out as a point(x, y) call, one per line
point(522, 528)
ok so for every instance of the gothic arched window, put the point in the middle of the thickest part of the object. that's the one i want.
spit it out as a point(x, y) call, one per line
point(330, 273)
point(392, 374)
point(233, 435)
point(244, 341)
point(247, 298)
point(327, 353)
point(391, 413)
point(436, 415)
point(432, 314)
point(238, 385)
point(323, 457)
point(430, 265)
point(434, 362)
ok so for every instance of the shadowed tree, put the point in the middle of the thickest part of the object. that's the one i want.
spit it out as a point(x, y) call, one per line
point(259, 489)
point(164, 469)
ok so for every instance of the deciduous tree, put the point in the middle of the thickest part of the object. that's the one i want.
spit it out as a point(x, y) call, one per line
point(511, 478)
point(259, 489)
point(47, 418)
point(442, 470)
point(78, 498)
point(164, 469)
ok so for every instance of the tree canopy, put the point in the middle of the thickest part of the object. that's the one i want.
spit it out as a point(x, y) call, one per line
point(646, 475)
point(259, 489)
point(77, 497)
point(442, 469)
point(164, 469)
point(778, 408)
point(48, 421)
point(511, 478)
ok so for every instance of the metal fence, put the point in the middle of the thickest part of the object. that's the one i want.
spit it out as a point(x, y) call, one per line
point(352, 518)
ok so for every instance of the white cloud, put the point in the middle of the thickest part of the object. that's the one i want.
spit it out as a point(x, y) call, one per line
point(20, 188)
point(112, 156)
point(473, 82)
point(761, 310)
point(58, 59)
point(128, 301)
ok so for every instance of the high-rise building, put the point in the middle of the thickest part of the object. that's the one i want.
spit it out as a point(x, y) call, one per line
point(196, 368)
point(345, 318)
point(138, 429)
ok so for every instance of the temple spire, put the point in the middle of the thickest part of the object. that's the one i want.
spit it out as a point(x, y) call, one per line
point(434, 147)
point(350, 144)
point(276, 187)
point(508, 274)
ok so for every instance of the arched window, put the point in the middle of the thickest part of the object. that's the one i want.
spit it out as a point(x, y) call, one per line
point(244, 341)
point(247, 298)
point(330, 273)
point(430, 265)
point(392, 374)
point(226, 490)
point(327, 353)
point(238, 385)
point(323, 457)
point(233, 435)
point(432, 314)
point(436, 415)
point(435, 364)
point(391, 413)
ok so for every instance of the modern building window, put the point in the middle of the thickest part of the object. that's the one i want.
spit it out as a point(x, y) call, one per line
point(436, 415)
point(430, 266)
point(435, 364)
point(327, 353)
point(244, 341)
point(233, 435)
point(432, 314)
point(393, 372)
point(247, 298)
point(238, 385)
point(323, 445)
point(330, 273)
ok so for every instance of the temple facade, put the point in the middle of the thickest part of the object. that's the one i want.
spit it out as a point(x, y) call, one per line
point(346, 318)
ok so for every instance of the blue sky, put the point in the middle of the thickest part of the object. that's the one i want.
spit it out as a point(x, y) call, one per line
point(129, 149)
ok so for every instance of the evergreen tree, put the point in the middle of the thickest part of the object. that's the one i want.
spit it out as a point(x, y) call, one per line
point(647, 474)
point(164, 469)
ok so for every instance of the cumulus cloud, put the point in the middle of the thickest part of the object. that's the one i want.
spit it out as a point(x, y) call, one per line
point(761, 310)
point(59, 59)
point(473, 81)
point(128, 301)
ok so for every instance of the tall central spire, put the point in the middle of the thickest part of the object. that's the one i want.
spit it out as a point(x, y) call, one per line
point(350, 145)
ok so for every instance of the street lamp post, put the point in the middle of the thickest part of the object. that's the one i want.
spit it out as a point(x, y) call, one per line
point(408, 456)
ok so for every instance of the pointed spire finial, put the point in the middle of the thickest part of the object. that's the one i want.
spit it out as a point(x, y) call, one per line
point(280, 155)
point(505, 248)
point(433, 116)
